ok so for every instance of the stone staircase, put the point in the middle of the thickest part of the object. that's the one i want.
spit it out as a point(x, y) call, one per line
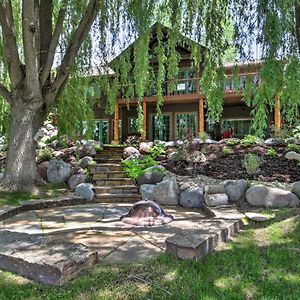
point(111, 183)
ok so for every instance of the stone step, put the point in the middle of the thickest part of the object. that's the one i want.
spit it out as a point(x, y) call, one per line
point(114, 181)
point(113, 198)
point(102, 160)
point(107, 156)
point(110, 174)
point(120, 189)
point(105, 168)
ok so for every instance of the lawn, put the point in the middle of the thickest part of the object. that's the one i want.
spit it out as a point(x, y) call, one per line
point(263, 262)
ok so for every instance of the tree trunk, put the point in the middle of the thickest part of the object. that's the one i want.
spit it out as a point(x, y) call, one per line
point(20, 167)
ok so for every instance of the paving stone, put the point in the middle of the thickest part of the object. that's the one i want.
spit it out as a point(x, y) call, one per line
point(257, 217)
point(226, 212)
point(192, 244)
point(135, 249)
point(50, 263)
point(114, 213)
point(84, 213)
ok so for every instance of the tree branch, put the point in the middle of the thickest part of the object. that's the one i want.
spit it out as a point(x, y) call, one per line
point(30, 31)
point(54, 42)
point(10, 44)
point(4, 92)
point(84, 26)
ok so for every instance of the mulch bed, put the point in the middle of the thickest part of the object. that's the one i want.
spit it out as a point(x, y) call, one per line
point(230, 166)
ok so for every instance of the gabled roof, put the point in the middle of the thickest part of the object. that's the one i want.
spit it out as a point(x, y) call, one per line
point(153, 41)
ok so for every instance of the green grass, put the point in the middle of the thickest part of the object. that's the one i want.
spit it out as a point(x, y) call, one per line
point(263, 262)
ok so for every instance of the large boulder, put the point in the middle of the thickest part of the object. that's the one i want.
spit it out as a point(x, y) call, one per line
point(75, 180)
point(236, 189)
point(196, 157)
point(167, 192)
point(259, 195)
point(146, 191)
point(216, 199)
point(192, 197)
point(150, 178)
point(87, 150)
point(296, 188)
point(129, 151)
point(292, 155)
point(156, 168)
point(58, 171)
point(145, 147)
point(85, 190)
point(42, 169)
point(85, 162)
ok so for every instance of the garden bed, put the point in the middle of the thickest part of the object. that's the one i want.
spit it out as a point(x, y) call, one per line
point(230, 166)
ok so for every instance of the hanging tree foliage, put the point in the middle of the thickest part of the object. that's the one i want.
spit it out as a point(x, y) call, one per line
point(43, 43)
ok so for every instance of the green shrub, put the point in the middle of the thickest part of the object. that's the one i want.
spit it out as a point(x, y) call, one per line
point(98, 148)
point(226, 151)
point(251, 163)
point(156, 151)
point(272, 152)
point(136, 167)
point(232, 142)
point(294, 147)
point(44, 154)
point(61, 144)
point(249, 140)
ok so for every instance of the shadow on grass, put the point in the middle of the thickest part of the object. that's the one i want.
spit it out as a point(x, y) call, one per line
point(245, 269)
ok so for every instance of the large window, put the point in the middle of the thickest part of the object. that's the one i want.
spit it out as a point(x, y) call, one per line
point(101, 132)
point(239, 127)
point(160, 127)
point(186, 124)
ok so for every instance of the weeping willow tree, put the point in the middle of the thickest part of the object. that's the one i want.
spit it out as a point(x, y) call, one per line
point(43, 43)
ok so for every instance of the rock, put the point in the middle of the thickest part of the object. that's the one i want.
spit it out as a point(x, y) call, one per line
point(87, 150)
point(166, 192)
point(134, 156)
point(42, 170)
point(76, 170)
point(146, 191)
point(58, 154)
point(293, 155)
point(52, 263)
point(40, 134)
point(150, 178)
point(145, 147)
point(236, 189)
point(192, 197)
point(216, 199)
point(184, 185)
point(49, 127)
point(85, 162)
point(156, 168)
point(214, 189)
point(296, 188)
point(1, 176)
point(85, 190)
point(259, 195)
point(210, 141)
point(128, 151)
point(170, 144)
point(196, 157)
point(257, 217)
point(75, 180)
point(58, 171)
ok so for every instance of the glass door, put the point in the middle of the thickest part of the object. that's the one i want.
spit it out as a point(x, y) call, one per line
point(160, 128)
point(101, 132)
point(186, 124)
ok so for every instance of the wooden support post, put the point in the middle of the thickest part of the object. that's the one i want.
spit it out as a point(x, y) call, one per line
point(144, 130)
point(277, 115)
point(116, 124)
point(201, 115)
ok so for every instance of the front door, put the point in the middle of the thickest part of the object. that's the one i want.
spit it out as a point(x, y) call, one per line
point(101, 132)
point(160, 128)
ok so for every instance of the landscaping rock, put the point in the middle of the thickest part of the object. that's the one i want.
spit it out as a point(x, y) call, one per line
point(293, 155)
point(87, 150)
point(58, 171)
point(134, 156)
point(145, 147)
point(236, 189)
point(128, 151)
point(85, 162)
point(58, 154)
point(167, 192)
point(196, 157)
point(51, 263)
point(1, 176)
point(184, 185)
point(156, 168)
point(85, 190)
point(146, 191)
point(257, 217)
point(214, 189)
point(271, 197)
point(216, 199)
point(192, 197)
point(296, 188)
point(75, 180)
point(150, 178)
point(76, 170)
point(42, 170)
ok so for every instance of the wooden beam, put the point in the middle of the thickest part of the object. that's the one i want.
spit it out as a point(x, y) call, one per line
point(116, 124)
point(144, 131)
point(277, 115)
point(201, 115)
